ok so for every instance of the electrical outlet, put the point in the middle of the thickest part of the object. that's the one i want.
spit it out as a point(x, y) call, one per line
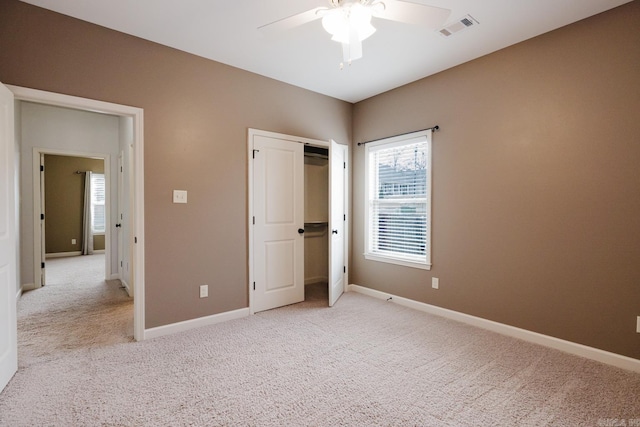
point(435, 283)
point(638, 325)
point(73, 241)
point(204, 291)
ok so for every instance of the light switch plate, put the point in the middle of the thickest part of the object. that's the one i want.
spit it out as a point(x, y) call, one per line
point(179, 196)
point(435, 283)
point(204, 291)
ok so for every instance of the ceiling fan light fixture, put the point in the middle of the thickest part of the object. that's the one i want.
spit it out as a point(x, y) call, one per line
point(340, 22)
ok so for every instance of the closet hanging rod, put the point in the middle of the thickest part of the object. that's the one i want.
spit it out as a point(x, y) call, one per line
point(81, 172)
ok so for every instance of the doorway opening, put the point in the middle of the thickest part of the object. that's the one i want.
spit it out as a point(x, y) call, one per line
point(130, 134)
point(316, 223)
point(74, 206)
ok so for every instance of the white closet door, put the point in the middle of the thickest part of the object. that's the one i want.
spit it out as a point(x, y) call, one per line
point(278, 187)
point(337, 221)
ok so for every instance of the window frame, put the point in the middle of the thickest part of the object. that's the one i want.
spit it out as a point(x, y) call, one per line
point(388, 143)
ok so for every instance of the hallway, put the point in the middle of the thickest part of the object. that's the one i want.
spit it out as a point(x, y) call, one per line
point(75, 311)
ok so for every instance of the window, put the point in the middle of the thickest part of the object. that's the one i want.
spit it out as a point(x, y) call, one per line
point(97, 203)
point(398, 203)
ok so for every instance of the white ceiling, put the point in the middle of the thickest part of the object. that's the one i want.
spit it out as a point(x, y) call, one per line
point(226, 31)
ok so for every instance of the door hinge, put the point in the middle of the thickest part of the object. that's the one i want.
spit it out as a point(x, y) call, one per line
point(344, 217)
point(42, 265)
point(254, 286)
point(135, 240)
point(344, 165)
point(254, 220)
point(42, 217)
point(120, 263)
point(41, 168)
point(120, 168)
point(344, 268)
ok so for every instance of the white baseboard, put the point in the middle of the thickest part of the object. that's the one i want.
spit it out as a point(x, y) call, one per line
point(195, 323)
point(316, 279)
point(581, 350)
point(68, 254)
point(28, 287)
point(62, 254)
point(114, 276)
point(126, 287)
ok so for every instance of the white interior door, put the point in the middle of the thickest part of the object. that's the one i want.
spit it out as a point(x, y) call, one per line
point(278, 216)
point(8, 290)
point(120, 218)
point(43, 240)
point(337, 220)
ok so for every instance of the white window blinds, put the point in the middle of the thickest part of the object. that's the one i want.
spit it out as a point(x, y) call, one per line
point(398, 200)
point(97, 202)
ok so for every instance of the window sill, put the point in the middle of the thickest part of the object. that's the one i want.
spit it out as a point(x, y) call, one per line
point(403, 262)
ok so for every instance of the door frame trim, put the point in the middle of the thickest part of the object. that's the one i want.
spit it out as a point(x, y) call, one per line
point(250, 136)
point(137, 114)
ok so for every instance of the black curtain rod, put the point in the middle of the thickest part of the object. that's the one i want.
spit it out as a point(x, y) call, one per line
point(435, 128)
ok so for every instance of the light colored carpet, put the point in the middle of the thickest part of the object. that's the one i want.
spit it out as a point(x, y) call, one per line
point(363, 362)
point(76, 309)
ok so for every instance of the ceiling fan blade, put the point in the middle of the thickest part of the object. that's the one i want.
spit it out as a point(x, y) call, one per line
point(413, 13)
point(290, 22)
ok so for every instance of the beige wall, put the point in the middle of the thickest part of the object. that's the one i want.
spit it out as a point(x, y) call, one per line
point(536, 184)
point(196, 115)
point(64, 202)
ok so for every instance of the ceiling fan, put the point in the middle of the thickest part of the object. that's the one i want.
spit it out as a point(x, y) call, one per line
point(349, 21)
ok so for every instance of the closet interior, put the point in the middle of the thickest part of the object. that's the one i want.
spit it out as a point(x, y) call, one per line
point(316, 215)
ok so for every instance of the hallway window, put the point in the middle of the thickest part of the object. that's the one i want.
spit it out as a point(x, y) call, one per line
point(398, 211)
point(97, 203)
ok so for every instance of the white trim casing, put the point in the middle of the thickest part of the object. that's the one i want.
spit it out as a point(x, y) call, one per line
point(137, 114)
point(195, 323)
point(576, 349)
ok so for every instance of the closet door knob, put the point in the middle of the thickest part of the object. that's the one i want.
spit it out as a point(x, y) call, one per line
point(301, 230)
point(334, 231)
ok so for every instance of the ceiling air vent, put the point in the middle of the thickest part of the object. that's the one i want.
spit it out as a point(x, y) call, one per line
point(459, 25)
